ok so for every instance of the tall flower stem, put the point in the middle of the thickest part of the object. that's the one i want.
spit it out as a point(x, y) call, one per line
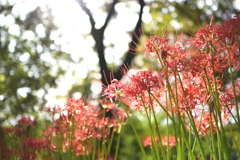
point(234, 90)
point(154, 144)
point(200, 142)
point(190, 118)
point(135, 131)
point(217, 104)
point(156, 124)
point(94, 149)
point(117, 146)
point(110, 142)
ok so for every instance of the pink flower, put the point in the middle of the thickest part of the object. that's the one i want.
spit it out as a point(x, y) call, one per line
point(26, 120)
point(114, 90)
point(171, 141)
point(79, 124)
point(156, 45)
point(137, 92)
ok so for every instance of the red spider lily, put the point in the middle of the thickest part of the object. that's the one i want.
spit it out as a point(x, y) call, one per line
point(114, 90)
point(209, 122)
point(199, 63)
point(26, 120)
point(147, 141)
point(78, 125)
point(143, 81)
point(170, 140)
point(191, 95)
point(206, 124)
point(32, 146)
point(206, 36)
point(229, 31)
point(5, 151)
point(176, 61)
point(36, 144)
point(23, 145)
point(227, 100)
point(237, 86)
point(189, 84)
point(137, 92)
point(221, 41)
point(156, 45)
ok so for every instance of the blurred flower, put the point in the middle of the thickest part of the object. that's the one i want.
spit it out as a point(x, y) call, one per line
point(78, 125)
point(26, 120)
point(170, 140)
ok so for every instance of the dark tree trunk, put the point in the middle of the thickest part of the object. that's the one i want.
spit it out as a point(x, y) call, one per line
point(98, 35)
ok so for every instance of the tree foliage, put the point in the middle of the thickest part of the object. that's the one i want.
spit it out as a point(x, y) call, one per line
point(29, 59)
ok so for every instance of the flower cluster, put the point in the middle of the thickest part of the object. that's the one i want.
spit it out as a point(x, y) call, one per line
point(189, 81)
point(23, 144)
point(78, 125)
point(195, 88)
point(166, 141)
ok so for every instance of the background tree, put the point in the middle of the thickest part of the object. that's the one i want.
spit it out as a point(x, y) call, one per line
point(182, 15)
point(29, 60)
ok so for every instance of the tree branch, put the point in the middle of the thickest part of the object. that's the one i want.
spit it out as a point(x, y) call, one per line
point(98, 35)
point(133, 44)
point(84, 7)
point(110, 14)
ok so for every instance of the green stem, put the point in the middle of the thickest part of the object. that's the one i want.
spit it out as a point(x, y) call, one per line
point(151, 131)
point(156, 124)
point(233, 85)
point(197, 136)
point(110, 143)
point(117, 147)
point(161, 106)
point(94, 149)
point(217, 104)
point(135, 131)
